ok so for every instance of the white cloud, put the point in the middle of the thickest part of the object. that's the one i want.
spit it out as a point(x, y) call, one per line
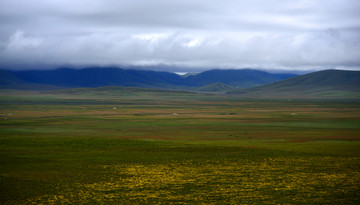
point(18, 42)
point(151, 37)
point(193, 43)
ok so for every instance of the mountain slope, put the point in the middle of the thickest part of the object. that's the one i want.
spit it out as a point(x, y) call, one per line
point(96, 77)
point(9, 79)
point(235, 78)
point(322, 84)
point(215, 87)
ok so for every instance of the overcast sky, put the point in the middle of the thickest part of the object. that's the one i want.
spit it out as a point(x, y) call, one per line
point(271, 34)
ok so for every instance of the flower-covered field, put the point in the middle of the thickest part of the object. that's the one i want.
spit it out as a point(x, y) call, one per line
point(278, 180)
point(78, 149)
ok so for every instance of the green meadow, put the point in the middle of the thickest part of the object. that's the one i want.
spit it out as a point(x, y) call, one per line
point(144, 146)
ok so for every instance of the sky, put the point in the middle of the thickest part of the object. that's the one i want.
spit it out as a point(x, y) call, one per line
point(181, 35)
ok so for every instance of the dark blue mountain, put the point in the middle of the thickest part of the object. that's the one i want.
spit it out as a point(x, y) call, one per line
point(237, 78)
point(8, 79)
point(96, 77)
point(322, 84)
point(113, 76)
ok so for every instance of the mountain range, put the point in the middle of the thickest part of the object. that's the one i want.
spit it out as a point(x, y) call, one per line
point(245, 83)
point(112, 76)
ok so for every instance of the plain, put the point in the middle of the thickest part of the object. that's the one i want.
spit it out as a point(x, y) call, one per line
point(129, 145)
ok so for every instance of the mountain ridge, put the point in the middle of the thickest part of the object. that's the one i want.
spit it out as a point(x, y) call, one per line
point(236, 78)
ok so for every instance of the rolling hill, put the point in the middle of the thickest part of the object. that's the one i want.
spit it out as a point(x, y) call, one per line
point(321, 84)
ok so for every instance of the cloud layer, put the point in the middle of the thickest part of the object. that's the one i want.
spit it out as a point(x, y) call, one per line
point(294, 35)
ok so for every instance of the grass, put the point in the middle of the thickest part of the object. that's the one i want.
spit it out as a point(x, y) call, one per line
point(68, 148)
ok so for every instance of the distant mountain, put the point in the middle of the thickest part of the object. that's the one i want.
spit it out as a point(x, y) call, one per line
point(237, 78)
point(321, 84)
point(215, 87)
point(113, 76)
point(96, 77)
point(9, 80)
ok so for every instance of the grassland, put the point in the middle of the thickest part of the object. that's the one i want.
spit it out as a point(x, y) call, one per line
point(131, 146)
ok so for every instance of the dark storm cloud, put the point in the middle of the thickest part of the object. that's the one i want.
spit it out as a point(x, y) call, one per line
point(277, 34)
